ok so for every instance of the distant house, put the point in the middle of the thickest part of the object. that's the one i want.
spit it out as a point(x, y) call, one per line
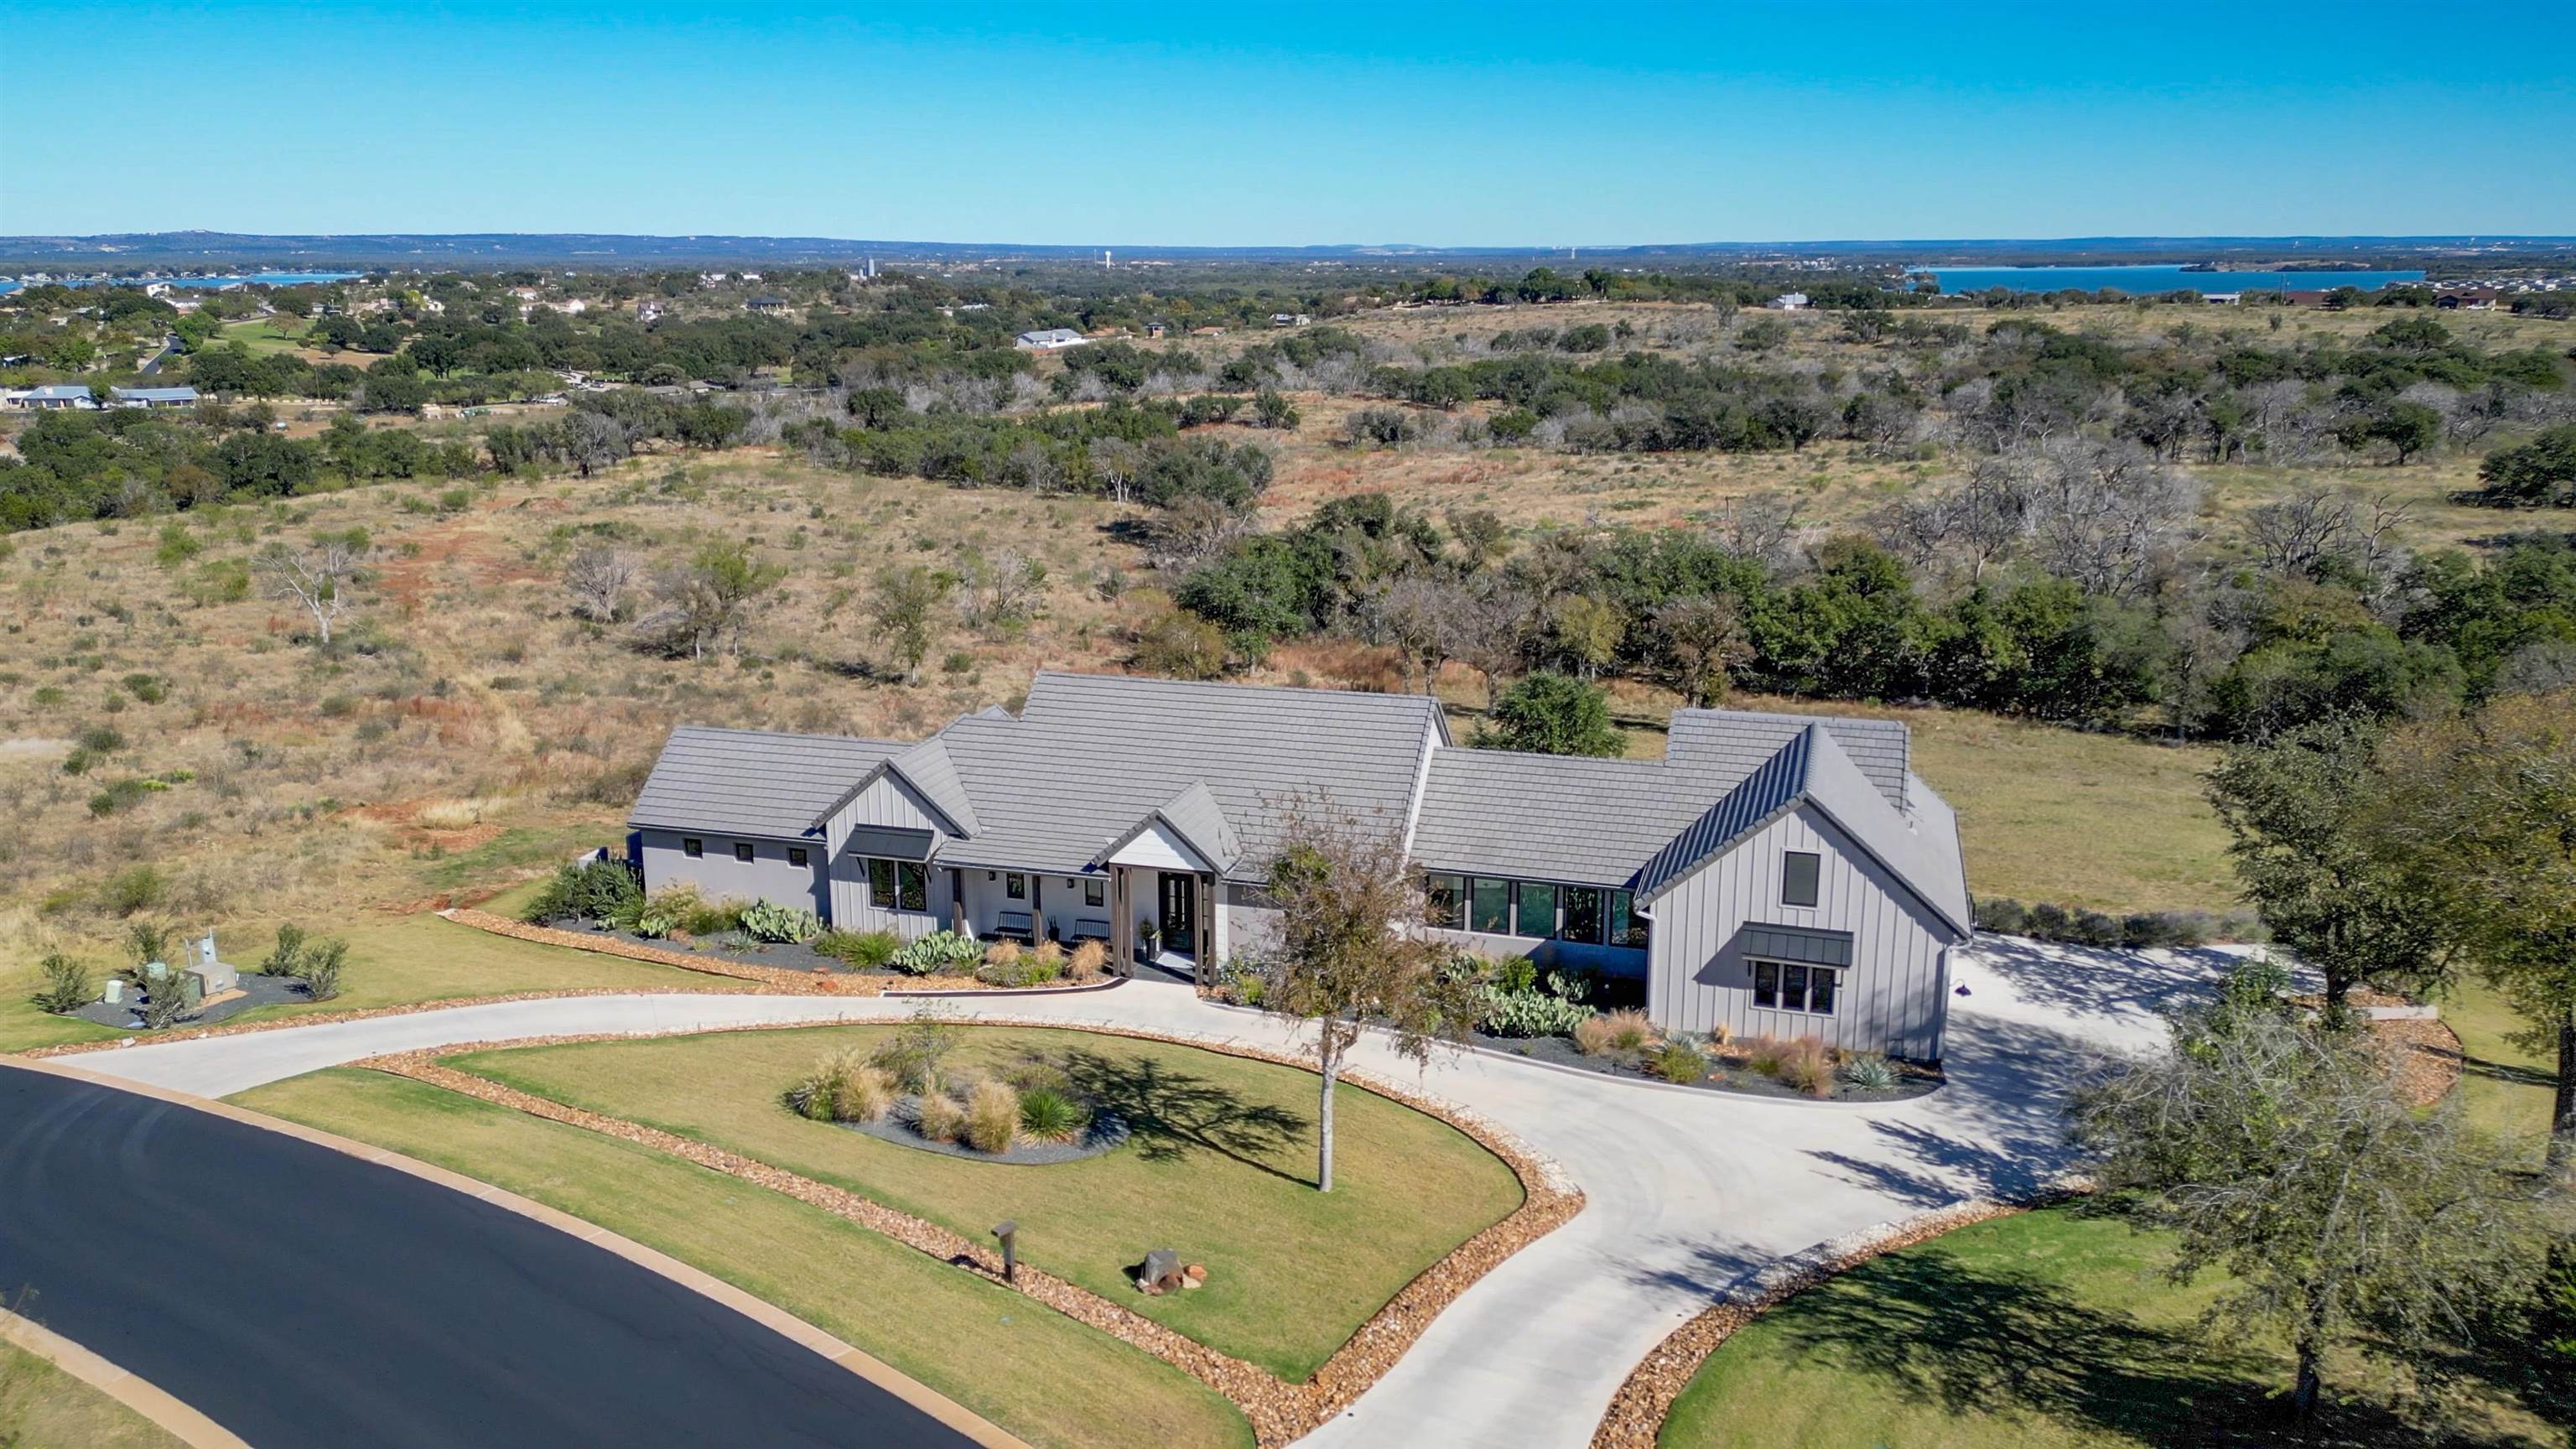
point(54, 397)
point(2474, 299)
point(767, 303)
point(1289, 319)
point(152, 397)
point(1049, 339)
point(2223, 299)
point(711, 279)
point(647, 311)
point(1788, 302)
point(1156, 329)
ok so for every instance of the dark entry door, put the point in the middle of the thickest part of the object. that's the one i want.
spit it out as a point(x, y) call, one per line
point(1180, 913)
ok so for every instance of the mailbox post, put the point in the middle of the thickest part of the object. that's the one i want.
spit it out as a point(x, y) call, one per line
point(1009, 1232)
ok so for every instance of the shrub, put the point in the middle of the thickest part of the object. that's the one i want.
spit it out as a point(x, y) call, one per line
point(285, 952)
point(135, 888)
point(1009, 966)
point(669, 909)
point(938, 1117)
point(118, 796)
point(165, 1001)
point(911, 1056)
point(938, 952)
point(101, 740)
point(1048, 1115)
point(841, 1088)
point(1517, 973)
point(779, 925)
point(1243, 986)
point(1679, 1061)
point(601, 890)
point(321, 968)
point(1869, 1071)
point(708, 918)
point(1532, 1013)
point(1763, 1053)
point(67, 984)
point(147, 941)
point(2137, 930)
point(861, 950)
point(1808, 1065)
point(1087, 962)
point(992, 1116)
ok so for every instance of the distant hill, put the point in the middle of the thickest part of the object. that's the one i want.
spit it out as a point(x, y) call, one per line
point(142, 251)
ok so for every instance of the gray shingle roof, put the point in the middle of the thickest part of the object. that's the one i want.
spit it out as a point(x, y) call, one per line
point(1090, 755)
point(1778, 783)
point(1195, 816)
point(931, 770)
point(751, 782)
point(1547, 817)
point(1729, 744)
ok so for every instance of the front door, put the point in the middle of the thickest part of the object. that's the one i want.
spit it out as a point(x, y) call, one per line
point(1180, 913)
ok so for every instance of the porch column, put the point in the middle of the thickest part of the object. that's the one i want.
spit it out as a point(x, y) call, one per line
point(1207, 962)
point(957, 901)
point(1122, 924)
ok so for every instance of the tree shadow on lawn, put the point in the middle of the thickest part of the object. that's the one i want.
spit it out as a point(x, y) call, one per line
point(1982, 1340)
point(1171, 1113)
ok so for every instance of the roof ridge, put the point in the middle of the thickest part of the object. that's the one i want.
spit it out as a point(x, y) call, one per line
point(791, 735)
point(1236, 686)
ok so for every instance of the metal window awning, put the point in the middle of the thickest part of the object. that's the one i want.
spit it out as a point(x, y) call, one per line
point(891, 842)
point(1799, 944)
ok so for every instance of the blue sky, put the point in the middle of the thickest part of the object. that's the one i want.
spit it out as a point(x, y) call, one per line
point(1286, 124)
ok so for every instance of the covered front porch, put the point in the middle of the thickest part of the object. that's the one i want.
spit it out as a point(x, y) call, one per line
point(1154, 916)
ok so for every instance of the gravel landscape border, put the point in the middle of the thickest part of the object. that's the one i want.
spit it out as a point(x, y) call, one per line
point(1635, 1418)
point(1279, 1412)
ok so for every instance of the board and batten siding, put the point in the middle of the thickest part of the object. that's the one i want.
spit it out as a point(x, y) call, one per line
point(888, 803)
point(1895, 996)
point(767, 876)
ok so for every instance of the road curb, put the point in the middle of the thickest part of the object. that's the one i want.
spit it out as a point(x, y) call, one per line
point(806, 1335)
point(144, 1397)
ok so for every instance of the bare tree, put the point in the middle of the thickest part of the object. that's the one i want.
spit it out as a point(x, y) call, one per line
point(1352, 953)
point(1001, 587)
point(2107, 516)
point(1494, 622)
point(593, 440)
point(1194, 528)
point(1760, 526)
point(2297, 533)
point(319, 576)
point(1116, 462)
point(1418, 612)
point(601, 579)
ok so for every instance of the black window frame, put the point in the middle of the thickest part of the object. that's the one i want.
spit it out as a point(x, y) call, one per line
point(692, 847)
point(796, 856)
point(1792, 862)
point(1015, 885)
point(1599, 911)
point(1445, 899)
point(1476, 919)
point(1796, 986)
point(743, 852)
point(1522, 890)
point(905, 885)
point(1095, 891)
point(1638, 932)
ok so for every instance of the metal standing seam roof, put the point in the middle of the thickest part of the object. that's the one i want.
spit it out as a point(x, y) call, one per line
point(752, 782)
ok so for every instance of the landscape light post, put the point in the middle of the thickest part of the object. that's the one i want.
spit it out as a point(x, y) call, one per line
point(1009, 1232)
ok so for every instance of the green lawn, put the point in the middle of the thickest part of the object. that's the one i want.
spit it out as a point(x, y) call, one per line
point(1220, 1168)
point(259, 334)
point(2504, 1088)
point(1041, 1376)
point(2041, 1331)
point(41, 1407)
point(393, 961)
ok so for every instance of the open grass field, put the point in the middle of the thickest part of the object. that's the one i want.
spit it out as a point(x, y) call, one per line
point(41, 1407)
point(1220, 1166)
point(2505, 1087)
point(1041, 1376)
point(2043, 1331)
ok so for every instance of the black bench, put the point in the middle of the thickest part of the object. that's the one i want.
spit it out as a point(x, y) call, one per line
point(1012, 926)
point(1090, 928)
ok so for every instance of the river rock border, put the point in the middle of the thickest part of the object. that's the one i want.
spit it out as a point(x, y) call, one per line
point(1280, 1412)
point(1635, 1418)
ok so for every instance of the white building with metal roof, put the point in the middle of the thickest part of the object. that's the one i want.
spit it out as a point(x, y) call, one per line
point(1774, 873)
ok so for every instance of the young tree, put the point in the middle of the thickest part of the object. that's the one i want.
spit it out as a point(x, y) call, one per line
point(2300, 806)
point(1552, 714)
point(2282, 1154)
point(704, 602)
point(1700, 638)
point(904, 607)
point(2477, 814)
point(321, 576)
point(1350, 950)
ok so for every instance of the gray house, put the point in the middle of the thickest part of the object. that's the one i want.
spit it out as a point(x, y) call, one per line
point(1772, 873)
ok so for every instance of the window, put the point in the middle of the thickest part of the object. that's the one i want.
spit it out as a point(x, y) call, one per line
point(898, 885)
point(1095, 893)
point(742, 850)
point(693, 848)
point(796, 855)
point(1627, 928)
point(1582, 915)
point(1448, 900)
point(1489, 906)
point(1537, 914)
point(1782, 986)
point(1798, 878)
point(1016, 886)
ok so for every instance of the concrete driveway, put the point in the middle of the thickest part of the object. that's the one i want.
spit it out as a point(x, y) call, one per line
point(1690, 1192)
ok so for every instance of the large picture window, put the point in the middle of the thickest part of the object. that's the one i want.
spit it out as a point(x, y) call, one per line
point(1582, 915)
point(1536, 913)
point(1489, 907)
point(1447, 899)
point(898, 885)
point(1784, 986)
point(1627, 928)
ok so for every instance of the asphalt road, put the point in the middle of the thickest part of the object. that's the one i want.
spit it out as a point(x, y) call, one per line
point(301, 1297)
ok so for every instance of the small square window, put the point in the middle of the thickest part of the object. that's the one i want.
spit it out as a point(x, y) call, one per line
point(1095, 892)
point(742, 850)
point(796, 855)
point(1016, 886)
point(693, 848)
point(1798, 871)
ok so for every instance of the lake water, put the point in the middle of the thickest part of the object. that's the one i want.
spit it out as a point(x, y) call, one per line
point(274, 279)
point(2146, 281)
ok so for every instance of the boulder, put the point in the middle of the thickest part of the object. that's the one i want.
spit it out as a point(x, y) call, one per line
point(1161, 1272)
point(1194, 1276)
